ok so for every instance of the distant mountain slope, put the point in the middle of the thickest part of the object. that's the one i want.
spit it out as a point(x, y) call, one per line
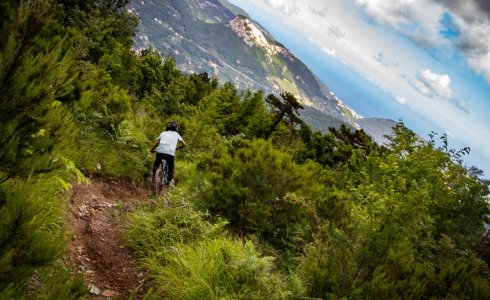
point(377, 128)
point(206, 36)
point(234, 9)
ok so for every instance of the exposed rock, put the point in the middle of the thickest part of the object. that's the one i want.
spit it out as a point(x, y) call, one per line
point(93, 289)
point(108, 293)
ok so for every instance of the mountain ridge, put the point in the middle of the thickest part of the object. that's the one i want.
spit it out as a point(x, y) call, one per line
point(221, 39)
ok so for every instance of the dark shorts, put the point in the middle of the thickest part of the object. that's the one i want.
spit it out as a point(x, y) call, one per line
point(170, 162)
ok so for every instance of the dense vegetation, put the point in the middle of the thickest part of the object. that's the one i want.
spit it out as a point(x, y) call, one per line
point(264, 208)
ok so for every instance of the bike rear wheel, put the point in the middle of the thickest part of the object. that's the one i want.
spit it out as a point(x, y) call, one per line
point(160, 178)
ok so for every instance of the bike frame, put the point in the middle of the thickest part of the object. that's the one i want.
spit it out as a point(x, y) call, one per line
point(160, 178)
point(164, 178)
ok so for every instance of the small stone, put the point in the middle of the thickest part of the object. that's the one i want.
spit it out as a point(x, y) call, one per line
point(94, 290)
point(83, 209)
point(108, 293)
point(88, 228)
point(173, 249)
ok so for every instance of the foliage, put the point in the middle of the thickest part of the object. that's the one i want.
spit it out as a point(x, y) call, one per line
point(31, 237)
point(192, 259)
point(233, 113)
point(354, 219)
point(262, 191)
point(36, 72)
point(153, 231)
point(222, 268)
point(285, 110)
point(414, 221)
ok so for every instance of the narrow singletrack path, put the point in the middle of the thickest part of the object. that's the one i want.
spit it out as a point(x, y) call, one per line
point(96, 225)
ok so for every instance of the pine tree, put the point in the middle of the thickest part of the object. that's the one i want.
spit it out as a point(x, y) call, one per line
point(36, 73)
point(285, 110)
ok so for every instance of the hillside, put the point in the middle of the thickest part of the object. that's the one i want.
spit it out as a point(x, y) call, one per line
point(377, 128)
point(205, 36)
point(263, 207)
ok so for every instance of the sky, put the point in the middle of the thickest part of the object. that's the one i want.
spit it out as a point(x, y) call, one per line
point(426, 62)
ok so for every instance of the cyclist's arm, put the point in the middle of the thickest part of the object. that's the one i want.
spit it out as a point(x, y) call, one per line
point(155, 145)
point(183, 143)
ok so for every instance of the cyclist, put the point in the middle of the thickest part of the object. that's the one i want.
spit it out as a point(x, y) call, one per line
point(165, 146)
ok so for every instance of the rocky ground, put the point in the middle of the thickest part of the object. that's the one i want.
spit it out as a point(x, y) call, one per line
point(96, 225)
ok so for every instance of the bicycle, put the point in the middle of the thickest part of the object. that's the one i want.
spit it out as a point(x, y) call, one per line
point(160, 178)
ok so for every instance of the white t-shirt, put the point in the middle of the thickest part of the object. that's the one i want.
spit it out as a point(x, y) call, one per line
point(168, 142)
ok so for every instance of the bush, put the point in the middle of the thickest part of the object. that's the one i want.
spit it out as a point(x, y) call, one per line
point(99, 155)
point(262, 191)
point(329, 266)
point(31, 240)
point(413, 220)
point(153, 232)
point(221, 268)
point(29, 233)
point(189, 258)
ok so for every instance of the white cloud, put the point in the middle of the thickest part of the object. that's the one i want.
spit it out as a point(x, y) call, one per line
point(336, 31)
point(481, 61)
point(330, 52)
point(320, 11)
point(420, 20)
point(434, 85)
point(463, 104)
point(401, 100)
point(287, 6)
point(475, 36)
point(382, 59)
point(450, 134)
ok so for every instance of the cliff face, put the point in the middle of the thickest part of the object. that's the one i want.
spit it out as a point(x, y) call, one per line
point(205, 36)
point(253, 36)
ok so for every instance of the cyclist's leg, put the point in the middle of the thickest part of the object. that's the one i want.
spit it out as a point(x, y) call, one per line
point(171, 165)
point(157, 162)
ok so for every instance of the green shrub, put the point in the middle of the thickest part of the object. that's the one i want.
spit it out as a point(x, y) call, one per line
point(154, 231)
point(262, 191)
point(413, 221)
point(97, 154)
point(30, 236)
point(56, 282)
point(329, 266)
point(221, 268)
point(32, 240)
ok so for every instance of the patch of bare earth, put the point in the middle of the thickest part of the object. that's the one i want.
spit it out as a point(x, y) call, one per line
point(97, 224)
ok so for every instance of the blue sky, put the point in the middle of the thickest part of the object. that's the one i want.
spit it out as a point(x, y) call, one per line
point(424, 61)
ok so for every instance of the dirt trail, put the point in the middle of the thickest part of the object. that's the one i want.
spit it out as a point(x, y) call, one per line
point(97, 223)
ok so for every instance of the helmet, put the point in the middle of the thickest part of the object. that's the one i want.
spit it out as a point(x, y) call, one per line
point(172, 126)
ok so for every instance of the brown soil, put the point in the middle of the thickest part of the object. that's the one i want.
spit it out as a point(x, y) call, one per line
point(97, 223)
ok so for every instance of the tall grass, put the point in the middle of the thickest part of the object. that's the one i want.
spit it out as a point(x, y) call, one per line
point(190, 258)
point(220, 268)
point(153, 230)
point(32, 241)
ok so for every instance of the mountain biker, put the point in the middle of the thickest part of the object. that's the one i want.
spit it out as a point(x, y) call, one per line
point(165, 146)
